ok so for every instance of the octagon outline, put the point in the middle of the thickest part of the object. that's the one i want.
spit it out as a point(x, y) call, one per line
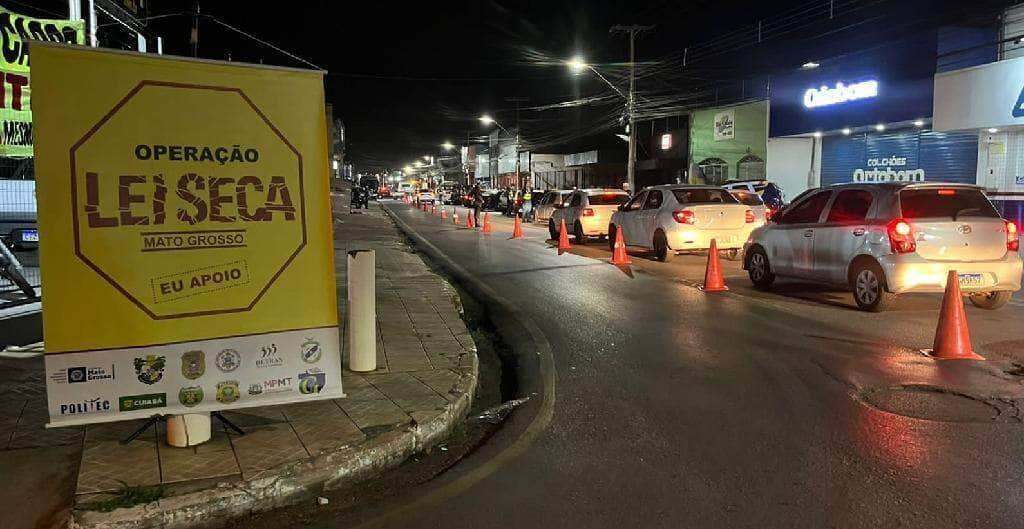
point(74, 197)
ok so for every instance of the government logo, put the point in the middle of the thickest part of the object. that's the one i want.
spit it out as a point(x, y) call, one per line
point(228, 392)
point(190, 396)
point(311, 351)
point(142, 402)
point(150, 369)
point(269, 357)
point(193, 364)
point(312, 381)
point(228, 360)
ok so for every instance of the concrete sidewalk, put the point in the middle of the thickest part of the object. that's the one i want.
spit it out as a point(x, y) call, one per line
point(426, 377)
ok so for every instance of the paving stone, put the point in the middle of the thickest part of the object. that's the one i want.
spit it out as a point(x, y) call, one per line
point(213, 459)
point(36, 435)
point(372, 413)
point(257, 416)
point(106, 463)
point(323, 426)
point(408, 392)
point(266, 446)
point(442, 381)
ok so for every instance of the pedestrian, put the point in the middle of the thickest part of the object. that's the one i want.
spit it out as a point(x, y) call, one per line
point(527, 205)
point(477, 199)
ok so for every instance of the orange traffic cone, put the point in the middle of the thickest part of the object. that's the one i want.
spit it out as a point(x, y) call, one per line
point(469, 221)
point(517, 228)
point(433, 209)
point(487, 223)
point(713, 280)
point(952, 337)
point(444, 214)
point(563, 238)
point(619, 255)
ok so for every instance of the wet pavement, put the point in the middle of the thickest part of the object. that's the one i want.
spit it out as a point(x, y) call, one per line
point(675, 408)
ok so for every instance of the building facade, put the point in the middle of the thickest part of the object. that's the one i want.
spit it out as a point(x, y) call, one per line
point(728, 143)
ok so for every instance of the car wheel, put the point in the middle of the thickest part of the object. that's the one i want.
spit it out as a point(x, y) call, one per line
point(581, 238)
point(990, 300)
point(759, 269)
point(869, 288)
point(611, 237)
point(661, 250)
point(551, 230)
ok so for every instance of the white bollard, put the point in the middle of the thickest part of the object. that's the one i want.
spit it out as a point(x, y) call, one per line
point(188, 430)
point(362, 310)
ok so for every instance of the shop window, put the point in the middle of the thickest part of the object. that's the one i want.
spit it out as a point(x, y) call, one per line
point(714, 170)
point(750, 167)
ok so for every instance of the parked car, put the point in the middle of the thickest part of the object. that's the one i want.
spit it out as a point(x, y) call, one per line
point(547, 204)
point(384, 192)
point(883, 240)
point(405, 189)
point(673, 218)
point(425, 195)
point(754, 202)
point(445, 191)
point(586, 212)
point(371, 184)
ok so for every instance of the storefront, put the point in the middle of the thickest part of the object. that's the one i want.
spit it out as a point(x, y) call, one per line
point(728, 143)
point(865, 118)
point(987, 103)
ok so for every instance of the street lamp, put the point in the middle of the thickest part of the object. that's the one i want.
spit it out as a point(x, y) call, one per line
point(447, 146)
point(419, 163)
point(487, 120)
point(577, 64)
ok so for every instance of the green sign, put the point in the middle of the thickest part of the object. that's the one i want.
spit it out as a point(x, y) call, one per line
point(143, 402)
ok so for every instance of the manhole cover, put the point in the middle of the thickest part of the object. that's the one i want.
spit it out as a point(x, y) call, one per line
point(930, 404)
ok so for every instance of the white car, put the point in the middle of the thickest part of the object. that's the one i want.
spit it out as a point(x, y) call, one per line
point(673, 218)
point(881, 240)
point(404, 189)
point(425, 195)
point(586, 213)
point(548, 203)
point(753, 201)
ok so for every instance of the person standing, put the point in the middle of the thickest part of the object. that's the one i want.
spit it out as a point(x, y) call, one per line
point(527, 205)
point(477, 197)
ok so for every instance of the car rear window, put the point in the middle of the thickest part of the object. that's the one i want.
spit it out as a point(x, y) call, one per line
point(747, 198)
point(704, 196)
point(950, 203)
point(607, 199)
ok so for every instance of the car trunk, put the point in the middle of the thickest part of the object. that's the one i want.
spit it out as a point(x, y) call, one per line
point(954, 224)
point(719, 216)
point(967, 239)
point(603, 214)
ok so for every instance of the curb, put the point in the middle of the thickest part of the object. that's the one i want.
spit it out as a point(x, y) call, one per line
point(294, 482)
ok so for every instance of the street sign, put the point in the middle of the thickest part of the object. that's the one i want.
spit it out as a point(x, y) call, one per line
point(185, 233)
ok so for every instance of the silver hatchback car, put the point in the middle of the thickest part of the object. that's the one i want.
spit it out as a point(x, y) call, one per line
point(882, 240)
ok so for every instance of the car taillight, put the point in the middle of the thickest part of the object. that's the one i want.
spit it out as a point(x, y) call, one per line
point(749, 216)
point(769, 213)
point(587, 212)
point(683, 217)
point(1012, 237)
point(901, 236)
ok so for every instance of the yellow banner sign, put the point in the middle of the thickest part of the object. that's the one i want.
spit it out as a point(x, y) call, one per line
point(15, 109)
point(185, 215)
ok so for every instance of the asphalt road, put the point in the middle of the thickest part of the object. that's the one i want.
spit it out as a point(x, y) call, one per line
point(676, 408)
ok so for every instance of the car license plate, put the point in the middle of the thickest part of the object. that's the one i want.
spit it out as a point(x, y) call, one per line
point(30, 235)
point(970, 280)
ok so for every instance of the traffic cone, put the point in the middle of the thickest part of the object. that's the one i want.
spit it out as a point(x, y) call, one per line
point(487, 223)
point(952, 337)
point(713, 280)
point(455, 217)
point(619, 255)
point(433, 209)
point(563, 238)
point(517, 228)
point(469, 221)
point(444, 214)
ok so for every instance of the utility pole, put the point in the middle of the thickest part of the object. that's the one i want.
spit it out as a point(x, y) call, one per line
point(630, 102)
point(517, 100)
point(194, 38)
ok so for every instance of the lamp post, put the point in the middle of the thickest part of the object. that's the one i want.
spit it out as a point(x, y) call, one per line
point(488, 120)
point(577, 65)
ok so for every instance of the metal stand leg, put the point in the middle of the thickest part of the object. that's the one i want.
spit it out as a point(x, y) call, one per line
point(145, 426)
point(227, 423)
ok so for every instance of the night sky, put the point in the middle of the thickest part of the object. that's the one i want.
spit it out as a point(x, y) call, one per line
point(405, 77)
